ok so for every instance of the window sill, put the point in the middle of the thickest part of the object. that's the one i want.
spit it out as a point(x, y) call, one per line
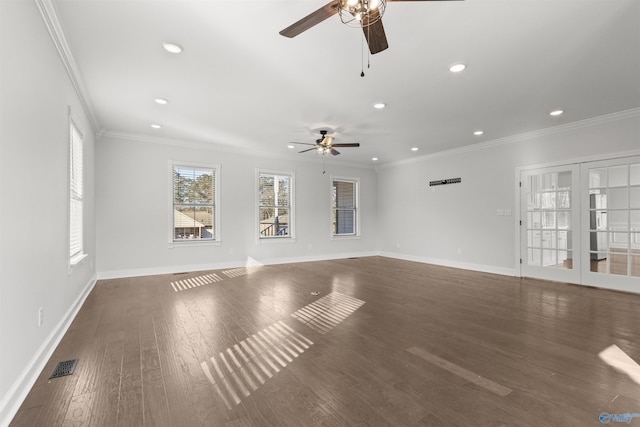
point(76, 260)
point(191, 243)
point(345, 237)
point(269, 240)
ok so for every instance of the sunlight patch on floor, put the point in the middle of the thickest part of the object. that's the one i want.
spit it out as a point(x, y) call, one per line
point(243, 368)
point(207, 279)
point(327, 312)
point(621, 361)
point(471, 377)
point(194, 282)
point(238, 272)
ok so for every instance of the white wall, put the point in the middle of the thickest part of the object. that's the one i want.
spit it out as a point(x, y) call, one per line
point(35, 94)
point(133, 203)
point(457, 224)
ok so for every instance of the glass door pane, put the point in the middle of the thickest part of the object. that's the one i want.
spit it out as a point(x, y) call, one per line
point(612, 213)
point(548, 218)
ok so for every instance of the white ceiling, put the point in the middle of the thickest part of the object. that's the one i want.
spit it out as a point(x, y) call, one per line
point(240, 85)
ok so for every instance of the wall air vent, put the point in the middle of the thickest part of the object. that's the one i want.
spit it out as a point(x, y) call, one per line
point(445, 181)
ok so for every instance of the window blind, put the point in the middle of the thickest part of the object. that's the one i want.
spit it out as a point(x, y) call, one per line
point(344, 207)
point(75, 193)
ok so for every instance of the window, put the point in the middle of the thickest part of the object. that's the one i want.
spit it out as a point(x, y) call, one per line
point(194, 203)
point(275, 205)
point(76, 192)
point(344, 204)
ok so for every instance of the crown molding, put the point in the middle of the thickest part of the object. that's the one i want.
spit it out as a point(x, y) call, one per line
point(568, 127)
point(138, 137)
point(51, 21)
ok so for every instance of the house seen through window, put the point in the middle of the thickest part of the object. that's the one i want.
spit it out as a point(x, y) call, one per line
point(194, 203)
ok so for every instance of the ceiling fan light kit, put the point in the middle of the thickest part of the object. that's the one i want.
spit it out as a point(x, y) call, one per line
point(361, 13)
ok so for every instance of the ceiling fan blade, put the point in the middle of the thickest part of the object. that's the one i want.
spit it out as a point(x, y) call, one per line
point(374, 33)
point(334, 152)
point(304, 151)
point(353, 144)
point(302, 143)
point(423, 0)
point(312, 19)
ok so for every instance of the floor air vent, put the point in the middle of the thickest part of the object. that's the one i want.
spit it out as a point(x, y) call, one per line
point(64, 368)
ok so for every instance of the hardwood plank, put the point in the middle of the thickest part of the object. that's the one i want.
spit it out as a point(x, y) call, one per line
point(107, 394)
point(154, 399)
point(130, 408)
point(80, 410)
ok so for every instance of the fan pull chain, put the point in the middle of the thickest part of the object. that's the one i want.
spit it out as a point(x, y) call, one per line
point(362, 55)
point(368, 51)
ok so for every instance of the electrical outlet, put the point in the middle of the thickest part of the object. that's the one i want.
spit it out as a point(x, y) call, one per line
point(500, 212)
point(40, 316)
point(507, 212)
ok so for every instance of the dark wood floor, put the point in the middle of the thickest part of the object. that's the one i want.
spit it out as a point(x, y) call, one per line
point(385, 342)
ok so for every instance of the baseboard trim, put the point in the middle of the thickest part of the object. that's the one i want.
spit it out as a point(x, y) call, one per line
point(118, 274)
point(455, 264)
point(274, 261)
point(18, 391)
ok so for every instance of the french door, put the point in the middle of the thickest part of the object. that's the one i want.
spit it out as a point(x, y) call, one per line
point(549, 220)
point(581, 223)
point(611, 223)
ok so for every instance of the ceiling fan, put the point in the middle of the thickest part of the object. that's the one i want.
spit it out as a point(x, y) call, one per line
point(366, 14)
point(325, 144)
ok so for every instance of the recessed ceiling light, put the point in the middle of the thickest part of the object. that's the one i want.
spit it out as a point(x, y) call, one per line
point(556, 112)
point(478, 132)
point(155, 126)
point(375, 159)
point(456, 68)
point(291, 146)
point(414, 149)
point(379, 105)
point(172, 48)
point(161, 101)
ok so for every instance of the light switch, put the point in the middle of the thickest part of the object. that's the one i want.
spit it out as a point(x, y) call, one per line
point(507, 212)
point(500, 212)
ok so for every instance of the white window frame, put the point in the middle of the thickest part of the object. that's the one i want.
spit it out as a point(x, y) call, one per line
point(75, 222)
point(217, 237)
point(291, 237)
point(356, 208)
